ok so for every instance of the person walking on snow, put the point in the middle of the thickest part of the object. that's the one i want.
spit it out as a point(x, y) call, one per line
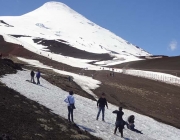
point(101, 104)
point(38, 75)
point(32, 76)
point(70, 101)
point(119, 121)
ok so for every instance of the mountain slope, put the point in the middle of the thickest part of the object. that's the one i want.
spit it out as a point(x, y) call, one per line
point(169, 65)
point(69, 27)
point(53, 97)
point(24, 119)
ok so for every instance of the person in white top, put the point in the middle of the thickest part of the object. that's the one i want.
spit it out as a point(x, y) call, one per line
point(70, 101)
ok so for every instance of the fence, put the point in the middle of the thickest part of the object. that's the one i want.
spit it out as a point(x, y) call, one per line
point(157, 76)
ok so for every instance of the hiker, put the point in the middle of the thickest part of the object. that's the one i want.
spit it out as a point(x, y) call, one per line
point(101, 104)
point(131, 122)
point(119, 121)
point(38, 75)
point(32, 76)
point(69, 78)
point(113, 73)
point(70, 101)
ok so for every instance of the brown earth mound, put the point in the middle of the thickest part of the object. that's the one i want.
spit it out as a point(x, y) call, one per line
point(59, 48)
point(66, 50)
point(7, 66)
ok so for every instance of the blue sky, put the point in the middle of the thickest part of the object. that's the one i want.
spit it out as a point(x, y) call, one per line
point(153, 25)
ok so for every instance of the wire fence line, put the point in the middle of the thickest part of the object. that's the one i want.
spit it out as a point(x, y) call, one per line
point(157, 76)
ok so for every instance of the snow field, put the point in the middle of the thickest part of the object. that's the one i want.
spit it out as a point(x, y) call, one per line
point(86, 110)
point(86, 36)
point(86, 83)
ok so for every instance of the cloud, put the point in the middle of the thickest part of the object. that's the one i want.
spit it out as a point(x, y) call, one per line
point(173, 45)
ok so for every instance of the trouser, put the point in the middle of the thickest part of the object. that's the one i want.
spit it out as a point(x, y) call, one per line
point(103, 110)
point(120, 130)
point(32, 79)
point(120, 126)
point(131, 126)
point(38, 82)
point(70, 114)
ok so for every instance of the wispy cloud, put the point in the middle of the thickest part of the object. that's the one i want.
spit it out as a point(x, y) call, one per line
point(173, 45)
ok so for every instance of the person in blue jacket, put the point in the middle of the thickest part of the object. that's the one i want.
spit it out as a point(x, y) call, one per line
point(70, 101)
point(38, 75)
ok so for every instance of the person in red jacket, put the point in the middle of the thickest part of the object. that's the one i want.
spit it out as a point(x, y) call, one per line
point(101, 103)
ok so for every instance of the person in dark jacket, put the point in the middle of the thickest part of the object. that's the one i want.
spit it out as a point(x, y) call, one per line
point(32, 76)
point(101, 104)
point(69, 78)
point(38, 75)
point(131, 122)
point(119, 121)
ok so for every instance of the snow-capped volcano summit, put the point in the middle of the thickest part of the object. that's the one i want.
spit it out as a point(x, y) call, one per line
point(52, 7)
point(57, 21)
